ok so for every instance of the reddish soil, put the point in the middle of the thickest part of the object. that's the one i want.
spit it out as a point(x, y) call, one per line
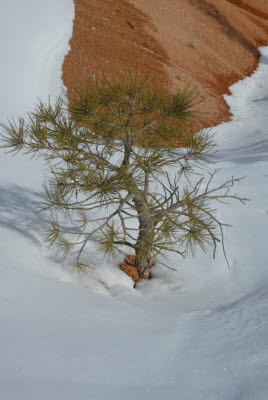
point(208, 43)
point(129, 268)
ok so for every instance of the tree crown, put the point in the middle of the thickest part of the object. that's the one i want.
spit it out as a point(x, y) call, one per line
point(112, 153)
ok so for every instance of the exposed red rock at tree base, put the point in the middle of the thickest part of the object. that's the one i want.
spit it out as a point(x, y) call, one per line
point(129, 268)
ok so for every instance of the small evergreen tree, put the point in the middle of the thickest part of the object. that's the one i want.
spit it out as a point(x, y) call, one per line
point(117, 173)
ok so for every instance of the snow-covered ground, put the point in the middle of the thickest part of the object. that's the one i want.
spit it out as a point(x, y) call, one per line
point(196, 334)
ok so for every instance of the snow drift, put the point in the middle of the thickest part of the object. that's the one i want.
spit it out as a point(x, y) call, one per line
point(199, 333)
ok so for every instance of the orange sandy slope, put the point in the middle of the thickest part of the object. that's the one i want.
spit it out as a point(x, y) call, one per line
point(208, 43)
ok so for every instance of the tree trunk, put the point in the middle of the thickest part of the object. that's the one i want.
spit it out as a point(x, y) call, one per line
point(143, 261)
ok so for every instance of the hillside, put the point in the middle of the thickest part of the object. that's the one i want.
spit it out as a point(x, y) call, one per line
point(208, 43)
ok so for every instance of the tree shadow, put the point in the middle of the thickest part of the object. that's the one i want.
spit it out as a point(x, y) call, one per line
point(18, 212)
point(212, 11)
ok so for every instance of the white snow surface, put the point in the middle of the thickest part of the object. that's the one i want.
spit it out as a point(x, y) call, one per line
point(196, 334)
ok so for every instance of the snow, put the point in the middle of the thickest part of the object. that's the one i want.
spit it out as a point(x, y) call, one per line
point(199, 333)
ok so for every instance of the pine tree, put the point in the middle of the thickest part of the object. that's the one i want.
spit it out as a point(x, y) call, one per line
point(117, 172)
